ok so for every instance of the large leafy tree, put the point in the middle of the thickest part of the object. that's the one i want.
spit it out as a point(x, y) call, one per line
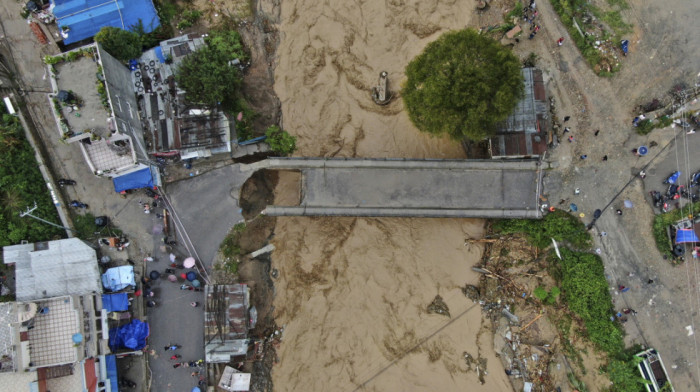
point(462, 85)
point(208, 78)
point(123, 45)
point(208, 75)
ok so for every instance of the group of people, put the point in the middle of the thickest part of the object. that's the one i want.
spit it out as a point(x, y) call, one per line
point(530, 14)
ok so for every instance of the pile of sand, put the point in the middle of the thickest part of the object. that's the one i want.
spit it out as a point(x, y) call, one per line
point(353, 293)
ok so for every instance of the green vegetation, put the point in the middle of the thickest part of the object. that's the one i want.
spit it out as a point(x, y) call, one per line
point(189, 18)
point(559, 225)
point(662, 221)
point(462, 85)
point(516, 12)
point(207, 75)
point(230, 248)
point(123, 45)
point(68, 57)
point(21, 185)
point(647, 125)
point(586, 292)
point(547, 297)
point(280, 141)
point(580, 13)
point(624, 375)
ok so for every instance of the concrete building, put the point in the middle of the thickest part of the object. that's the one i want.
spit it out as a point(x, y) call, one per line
point(55, 337)
point(225, 322)
point(174, 126)
point(79, 20)
point(54, 269)
point(525, 132)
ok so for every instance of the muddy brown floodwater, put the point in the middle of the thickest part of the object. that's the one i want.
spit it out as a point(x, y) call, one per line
point(353, 293)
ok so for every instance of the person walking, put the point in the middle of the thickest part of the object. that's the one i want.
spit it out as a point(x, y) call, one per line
point(605, 158)
point(584, 156)
point(560, 41)
point(618, 212)
point(603, 234)
point(571, 139)
point(194, 304)
point(596, 132)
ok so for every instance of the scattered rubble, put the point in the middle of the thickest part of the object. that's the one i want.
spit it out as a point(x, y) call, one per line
point(439, 306)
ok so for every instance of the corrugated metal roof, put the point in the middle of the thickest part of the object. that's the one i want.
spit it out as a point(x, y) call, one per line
point(67, 267)
point(86, 17)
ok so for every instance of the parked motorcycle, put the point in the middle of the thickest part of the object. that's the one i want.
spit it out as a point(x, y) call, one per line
point(172, 347)
point(78, 204)
point(65, 181)
point(126, 383)
point(657, 198)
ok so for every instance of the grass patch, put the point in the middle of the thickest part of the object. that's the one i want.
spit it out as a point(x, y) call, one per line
point(559, 225)
point(586, 292)
point(645, 126)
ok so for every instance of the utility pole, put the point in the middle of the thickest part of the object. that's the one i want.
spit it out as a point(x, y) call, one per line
point(29, 214)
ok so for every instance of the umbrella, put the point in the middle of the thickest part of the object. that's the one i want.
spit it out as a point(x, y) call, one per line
point(196, 283)
point(573, 207)
point(188, 263)
point(154, 275)
point(191, 276)
point(183, 275)
point(596, 214)
point(172, 278)
point(172, 258)
point(196, 389)
point(629, 204)
point(642, 150)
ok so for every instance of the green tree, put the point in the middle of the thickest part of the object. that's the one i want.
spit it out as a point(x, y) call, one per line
point(462, 85)
point(123, 45)
point(207, 78)
point(228, 43)
point(280, 141)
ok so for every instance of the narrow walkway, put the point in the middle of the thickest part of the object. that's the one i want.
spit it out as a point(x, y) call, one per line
point(413, 188)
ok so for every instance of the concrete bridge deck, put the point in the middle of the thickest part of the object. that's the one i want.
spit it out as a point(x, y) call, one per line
point(412, 188)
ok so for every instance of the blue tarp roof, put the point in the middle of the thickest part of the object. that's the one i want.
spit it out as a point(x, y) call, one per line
point(131, 336)
point(159, 54)
point(118, 278)
point(86, 17)
point(111, 364)
point(134, 180)
point(686, 235)
point(115, 302)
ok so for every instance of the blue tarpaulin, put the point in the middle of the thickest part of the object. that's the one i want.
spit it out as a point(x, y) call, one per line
point(131, 336)
point(111, 364)
point(135, 180)
point(159, 54)
point(115, 302)
point(84, 18)
point(118, 278)
point(686, 235)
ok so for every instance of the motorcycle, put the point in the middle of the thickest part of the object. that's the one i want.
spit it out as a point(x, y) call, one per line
point(685, 192)
point(673, 178)
point(126, 383)
point(657, 198)
point(673, 192)
point(172, 347)
point(77, 204)
point(694, 179)
point(152, 194)
point(65, 181)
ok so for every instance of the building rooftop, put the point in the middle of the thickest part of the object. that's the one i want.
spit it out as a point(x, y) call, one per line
point(225, 321)
point(51, 338)
point(91, 123)
point(174, 124)
point(53, 269)
point(85, 18)
point(525, 132)
point(8, 317)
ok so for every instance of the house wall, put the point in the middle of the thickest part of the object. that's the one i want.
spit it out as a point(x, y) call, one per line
point(120, 90)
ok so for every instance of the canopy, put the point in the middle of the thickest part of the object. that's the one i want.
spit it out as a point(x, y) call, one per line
point(686, 235)
point(111, 364)
point(118, 278)
point(131, 336)
point(141, 178)
point(115, 302)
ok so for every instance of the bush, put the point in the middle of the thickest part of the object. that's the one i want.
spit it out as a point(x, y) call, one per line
point(540, 293)
point(559, 225)
point(189, 18)
point(123, 45)
point(22, 186)
point(586, 293)
point(280, 141)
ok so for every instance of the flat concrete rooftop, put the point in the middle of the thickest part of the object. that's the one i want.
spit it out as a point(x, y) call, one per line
point(430, 188)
